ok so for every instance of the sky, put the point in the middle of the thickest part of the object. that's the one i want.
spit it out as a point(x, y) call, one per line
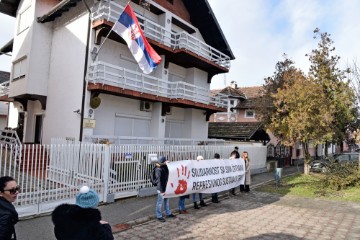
point(259, 32)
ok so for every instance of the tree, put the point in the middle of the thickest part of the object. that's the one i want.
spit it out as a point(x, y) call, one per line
point(264, 104)
point(325, 71)
point(302, 113)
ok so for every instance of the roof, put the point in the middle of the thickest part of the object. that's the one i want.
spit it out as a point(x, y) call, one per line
point(252, 92)
point(232, 92)
point(233, 130)
point(202, 16)
point(4, 76)
point(58, 10)
point(7, 47)
point(9, 7)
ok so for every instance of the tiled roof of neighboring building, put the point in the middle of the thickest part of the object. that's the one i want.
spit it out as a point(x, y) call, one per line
point(4, 76)
point(230, 91)
point(233, 130)
point(252, 92)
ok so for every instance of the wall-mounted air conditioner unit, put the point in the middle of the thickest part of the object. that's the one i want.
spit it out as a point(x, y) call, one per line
point(145, 106)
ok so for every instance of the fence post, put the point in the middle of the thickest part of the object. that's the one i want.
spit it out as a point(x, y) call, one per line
point(106, 171)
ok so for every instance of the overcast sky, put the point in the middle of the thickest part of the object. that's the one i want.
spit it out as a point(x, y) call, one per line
point(260, 31)
point(6, 34)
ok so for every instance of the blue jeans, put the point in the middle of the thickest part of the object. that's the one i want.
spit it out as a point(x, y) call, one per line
point(181, 203)
point(159, 202)
point(200, 197)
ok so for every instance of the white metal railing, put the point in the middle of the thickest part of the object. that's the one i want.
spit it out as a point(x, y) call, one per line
point(225, 117)
point(4, 88)
point(106, 73)
point(111, 11)
point(9, 137)
point(52, 174)
point(105, 139)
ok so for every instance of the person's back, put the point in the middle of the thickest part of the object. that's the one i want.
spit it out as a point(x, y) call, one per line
point(76, 223)
point(81, 221)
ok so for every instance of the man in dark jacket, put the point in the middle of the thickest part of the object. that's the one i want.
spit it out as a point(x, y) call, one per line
point(161, 178)
point(81, 221)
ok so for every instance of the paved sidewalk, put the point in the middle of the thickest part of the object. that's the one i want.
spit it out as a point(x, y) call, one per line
point(257, 215)
point(122, 211)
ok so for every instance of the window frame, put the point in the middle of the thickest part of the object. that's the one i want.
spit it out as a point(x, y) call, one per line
point(247, 111)
point(22, 65)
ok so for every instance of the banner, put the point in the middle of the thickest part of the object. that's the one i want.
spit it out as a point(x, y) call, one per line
point(204, 176)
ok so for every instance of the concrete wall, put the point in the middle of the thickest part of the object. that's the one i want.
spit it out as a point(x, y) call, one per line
point(66, 76)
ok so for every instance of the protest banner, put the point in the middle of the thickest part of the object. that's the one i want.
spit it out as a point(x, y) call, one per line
point(204, 176)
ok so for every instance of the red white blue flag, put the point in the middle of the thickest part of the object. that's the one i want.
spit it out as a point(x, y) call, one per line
point(127, 26)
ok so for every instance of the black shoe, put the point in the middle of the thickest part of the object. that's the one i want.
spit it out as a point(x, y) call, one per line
point(203, 204)
point(196, 206)
point(216, 200)
point(161, 219)
point(171, 216)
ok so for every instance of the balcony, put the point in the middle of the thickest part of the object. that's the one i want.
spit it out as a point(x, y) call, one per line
point(108, 78)
point(225, 117)
point(4, 91)
point(180, 48)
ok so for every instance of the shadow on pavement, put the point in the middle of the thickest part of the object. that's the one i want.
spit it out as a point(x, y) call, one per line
point(274, 236)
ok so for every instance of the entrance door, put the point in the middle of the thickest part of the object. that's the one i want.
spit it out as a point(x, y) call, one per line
point(20, 126)
point(38, 127)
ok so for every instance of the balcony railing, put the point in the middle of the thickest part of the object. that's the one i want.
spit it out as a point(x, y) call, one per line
point(111, 11)
point(225, 117)
point(105, 73)
point(4, 88)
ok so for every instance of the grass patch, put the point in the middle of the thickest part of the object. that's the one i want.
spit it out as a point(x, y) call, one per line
point(310, 186)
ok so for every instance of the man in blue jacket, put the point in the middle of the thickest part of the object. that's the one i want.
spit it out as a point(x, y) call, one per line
point(161, 178)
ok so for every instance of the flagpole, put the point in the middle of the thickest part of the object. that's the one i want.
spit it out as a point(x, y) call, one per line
point(107, 36)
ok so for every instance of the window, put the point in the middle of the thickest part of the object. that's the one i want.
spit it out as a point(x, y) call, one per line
point(249, 114)
point(19, 69)
point(24, 20)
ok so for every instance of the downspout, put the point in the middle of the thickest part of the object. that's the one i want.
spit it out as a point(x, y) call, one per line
point(85, 73)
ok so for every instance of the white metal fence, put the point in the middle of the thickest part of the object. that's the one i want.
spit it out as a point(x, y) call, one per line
point(52, 174)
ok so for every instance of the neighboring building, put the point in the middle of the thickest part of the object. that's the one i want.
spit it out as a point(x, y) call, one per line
point(59, 75)
point(240, 123)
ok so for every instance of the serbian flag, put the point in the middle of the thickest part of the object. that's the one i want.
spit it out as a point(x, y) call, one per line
point(127, 26)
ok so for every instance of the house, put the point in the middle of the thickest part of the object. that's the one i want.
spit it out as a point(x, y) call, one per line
point(239, 122)
point(75, 79)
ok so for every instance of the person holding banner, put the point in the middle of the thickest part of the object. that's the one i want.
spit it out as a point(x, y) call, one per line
point(161, 178)
point(202, 203)
point(214, 196)
point(234, 155)
point(245, 156)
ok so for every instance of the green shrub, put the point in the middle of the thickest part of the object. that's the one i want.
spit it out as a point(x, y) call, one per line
point(341, 175)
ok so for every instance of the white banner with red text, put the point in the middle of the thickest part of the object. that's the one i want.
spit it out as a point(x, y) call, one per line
point(204, 176)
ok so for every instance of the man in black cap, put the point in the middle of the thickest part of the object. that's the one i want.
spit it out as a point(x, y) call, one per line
point(161, 178)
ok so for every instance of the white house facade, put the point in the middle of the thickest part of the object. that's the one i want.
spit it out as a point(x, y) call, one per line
point(73, 78)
